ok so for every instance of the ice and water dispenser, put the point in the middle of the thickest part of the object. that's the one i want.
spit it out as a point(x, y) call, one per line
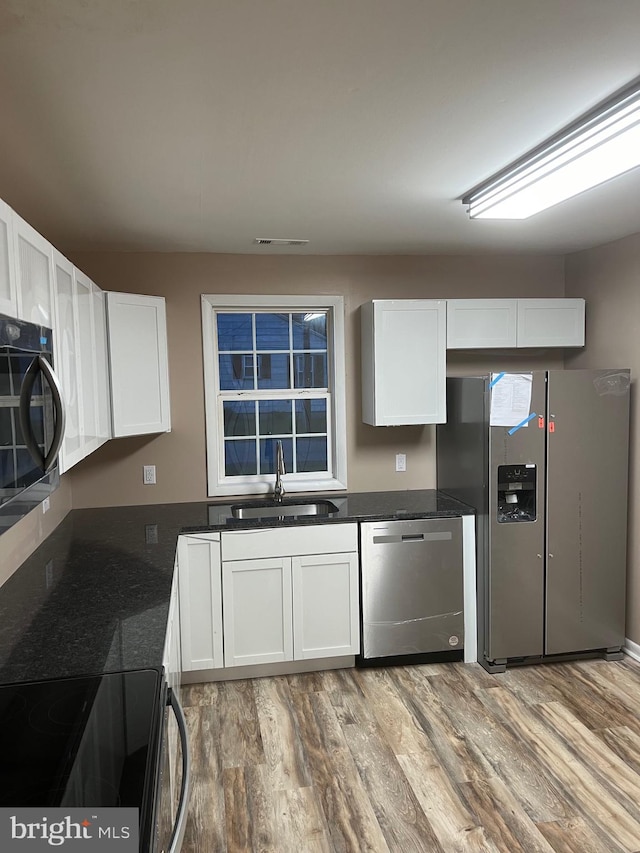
point(516, 493)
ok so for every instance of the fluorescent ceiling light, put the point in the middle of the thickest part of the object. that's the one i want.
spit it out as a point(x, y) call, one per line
point(601, 145)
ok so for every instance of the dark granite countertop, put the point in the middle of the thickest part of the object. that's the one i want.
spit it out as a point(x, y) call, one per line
point(94, 596)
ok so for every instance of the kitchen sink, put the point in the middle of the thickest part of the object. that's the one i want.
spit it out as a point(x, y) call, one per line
point(271, 509)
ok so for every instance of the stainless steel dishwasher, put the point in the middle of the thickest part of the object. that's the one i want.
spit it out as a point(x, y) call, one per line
point(412, 596)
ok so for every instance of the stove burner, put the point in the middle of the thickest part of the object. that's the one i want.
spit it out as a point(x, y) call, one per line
point(63, 712)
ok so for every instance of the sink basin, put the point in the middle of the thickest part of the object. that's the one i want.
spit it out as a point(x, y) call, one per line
point(270, 509)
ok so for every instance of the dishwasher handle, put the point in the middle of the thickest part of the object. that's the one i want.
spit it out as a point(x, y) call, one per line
point(399, 538)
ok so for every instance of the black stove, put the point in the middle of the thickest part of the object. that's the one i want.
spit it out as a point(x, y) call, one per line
point(88, 741)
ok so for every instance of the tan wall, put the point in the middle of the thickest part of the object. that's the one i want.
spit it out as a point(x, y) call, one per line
point(23, 538)
point(113, 475)
point(609, 279)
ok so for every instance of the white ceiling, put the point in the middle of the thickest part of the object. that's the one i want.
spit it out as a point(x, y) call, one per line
point(197, 125)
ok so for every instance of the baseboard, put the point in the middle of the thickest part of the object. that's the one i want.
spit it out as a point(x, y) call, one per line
point(632, 649)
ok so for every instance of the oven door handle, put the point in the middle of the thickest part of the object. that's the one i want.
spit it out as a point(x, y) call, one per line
point(179, 826)
point(41, 364)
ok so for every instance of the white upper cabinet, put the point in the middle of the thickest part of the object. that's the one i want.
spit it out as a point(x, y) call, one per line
point(34, 274)
point(551, 322)
point(403, 361)
point(8, 290)
point(481, 323)
point(94, 383)
point(507, 323)
point(139, 366)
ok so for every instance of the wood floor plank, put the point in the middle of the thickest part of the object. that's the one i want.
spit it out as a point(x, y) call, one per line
point(240, 733)
point(611, 771)
point(301, 823)
point(625, 743)
point(402, 731)
point(585, 698)
point(455, 827)
point(615, 680)
point(450, 746)
point(349, 702)
point(348, 811)
point(507, 826)
point(250, 820)
point(206, 816)
point(576, 836)
point(283, 752)
point(578, 781)
point(401, 818)
point(502, 750)
point(529, 684)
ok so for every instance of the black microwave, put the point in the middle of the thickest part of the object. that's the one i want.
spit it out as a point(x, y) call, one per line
point(31, 418)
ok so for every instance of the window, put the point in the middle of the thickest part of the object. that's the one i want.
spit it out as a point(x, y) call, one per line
point(274, 371)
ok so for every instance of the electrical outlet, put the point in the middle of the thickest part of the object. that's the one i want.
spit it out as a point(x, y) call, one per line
point(149, 475)
point(401, 461)
point(151, 534)
point(46, 505)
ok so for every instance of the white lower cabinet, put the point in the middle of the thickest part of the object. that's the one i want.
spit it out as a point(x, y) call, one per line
point(290, 608)
point(325, 606)
point(200, 595)
point(277, 599)
point(256, 596)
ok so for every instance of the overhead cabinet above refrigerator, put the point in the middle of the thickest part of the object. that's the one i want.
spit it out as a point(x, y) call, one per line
point(550, 487)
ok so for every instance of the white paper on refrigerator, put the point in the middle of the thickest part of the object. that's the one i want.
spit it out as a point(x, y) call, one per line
point(510, 398)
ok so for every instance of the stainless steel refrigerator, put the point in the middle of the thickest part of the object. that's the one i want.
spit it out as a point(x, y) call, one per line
point(550, 492)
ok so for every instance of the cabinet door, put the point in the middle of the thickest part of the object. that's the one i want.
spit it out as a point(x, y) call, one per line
point(139, 364)
point(67, 359)
point(8, 291)
point(256, 598)
point(325, 606)
point(403, 362)
point(551, 322)
point(481, 323)
point(200, 598)
point(102, 388)
point(33, 255)
point(93, 363)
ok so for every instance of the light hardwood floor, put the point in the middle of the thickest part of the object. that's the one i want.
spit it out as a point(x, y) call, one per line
point(441, 757)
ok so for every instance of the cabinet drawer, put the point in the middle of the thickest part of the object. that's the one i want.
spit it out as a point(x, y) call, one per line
point(292, 541)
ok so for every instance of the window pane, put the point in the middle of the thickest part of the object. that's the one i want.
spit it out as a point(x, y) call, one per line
point(239, 418)
point(275, 417)
point(7, 473)
point(309, 331)
point(234, 332)
point(273, 370)
point(272, 331)
point(268, 455)
point(311, 416)
point(239, 458)
point(312, 454)
point(236, 371)
point(310, 370)
point(6, 433)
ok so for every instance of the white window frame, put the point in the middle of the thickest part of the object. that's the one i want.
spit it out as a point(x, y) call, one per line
point(256, 484)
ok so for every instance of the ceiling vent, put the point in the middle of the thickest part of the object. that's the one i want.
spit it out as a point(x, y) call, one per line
point(279, 241)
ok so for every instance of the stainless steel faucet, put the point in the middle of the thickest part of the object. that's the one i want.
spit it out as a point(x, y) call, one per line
point(278, 489)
